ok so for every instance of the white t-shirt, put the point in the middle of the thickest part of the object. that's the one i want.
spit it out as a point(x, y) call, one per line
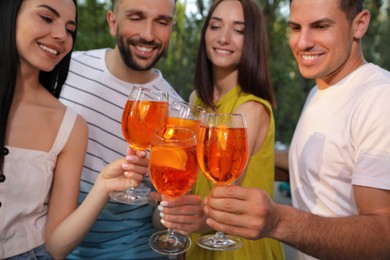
point(342, 139)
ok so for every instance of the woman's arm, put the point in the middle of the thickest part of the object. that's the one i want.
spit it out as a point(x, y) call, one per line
point(67, 224)
point(281, 159)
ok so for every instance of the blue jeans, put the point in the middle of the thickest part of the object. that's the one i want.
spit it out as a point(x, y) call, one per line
point(38, 253)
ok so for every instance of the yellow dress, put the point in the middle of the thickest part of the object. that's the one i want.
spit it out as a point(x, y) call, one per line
point(259, 174)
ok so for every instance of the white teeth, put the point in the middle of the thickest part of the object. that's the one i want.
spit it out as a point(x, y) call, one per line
point(48, 49)
point(309, 57)
point(223, 51)
point(144, 49)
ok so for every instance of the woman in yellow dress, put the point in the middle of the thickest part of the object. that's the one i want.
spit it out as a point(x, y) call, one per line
point(232, 76)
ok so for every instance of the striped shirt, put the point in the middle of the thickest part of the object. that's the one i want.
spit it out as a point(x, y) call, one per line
point(121, 231)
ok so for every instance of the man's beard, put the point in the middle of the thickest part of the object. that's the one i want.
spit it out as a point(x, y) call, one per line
point(127, 56)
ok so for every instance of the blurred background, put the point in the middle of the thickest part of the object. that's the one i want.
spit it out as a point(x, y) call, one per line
point(178, 65)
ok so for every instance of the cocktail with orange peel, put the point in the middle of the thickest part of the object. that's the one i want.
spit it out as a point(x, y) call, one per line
point(223, 153)
point(145, 112)
point(173, 171)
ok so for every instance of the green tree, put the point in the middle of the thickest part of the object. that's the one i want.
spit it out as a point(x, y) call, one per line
point(179, 64)
point(93, 31)
point(377, 38)
point(290, 88)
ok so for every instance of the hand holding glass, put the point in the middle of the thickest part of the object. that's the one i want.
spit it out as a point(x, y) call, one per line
point(222, 156)
point(145, 112)
point(173, 171)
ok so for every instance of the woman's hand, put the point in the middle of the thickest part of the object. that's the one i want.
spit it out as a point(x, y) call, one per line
point(125, 172)
point(184, 214)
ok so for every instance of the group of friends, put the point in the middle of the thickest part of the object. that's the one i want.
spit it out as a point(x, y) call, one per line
point(63, 149)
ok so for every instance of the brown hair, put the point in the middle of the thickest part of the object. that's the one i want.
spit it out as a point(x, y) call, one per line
point(253, 71)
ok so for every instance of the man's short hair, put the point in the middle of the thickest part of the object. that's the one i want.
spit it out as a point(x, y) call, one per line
point(115, 3)
point(351, 8)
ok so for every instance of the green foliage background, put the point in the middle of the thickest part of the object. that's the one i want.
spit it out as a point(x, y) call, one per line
point(178, 66)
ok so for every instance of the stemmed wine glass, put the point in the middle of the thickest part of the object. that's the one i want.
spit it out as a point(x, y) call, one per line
point(222, 156)
point(181, 114)
point(173, 171)
point(145, 112)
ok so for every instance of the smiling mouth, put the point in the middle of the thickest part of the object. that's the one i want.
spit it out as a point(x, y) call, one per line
point(50, 50)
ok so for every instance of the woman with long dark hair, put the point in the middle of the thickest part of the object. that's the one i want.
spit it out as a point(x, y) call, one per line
point(42, 142)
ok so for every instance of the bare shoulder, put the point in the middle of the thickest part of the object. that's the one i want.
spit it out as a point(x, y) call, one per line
point(78, 139)
point(259, 121)
point(81, 126)
point(253, 109)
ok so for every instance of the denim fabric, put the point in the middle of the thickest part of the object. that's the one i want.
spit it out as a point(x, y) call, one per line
point(38, 253)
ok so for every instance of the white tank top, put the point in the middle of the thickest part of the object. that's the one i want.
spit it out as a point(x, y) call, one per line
point(25, 192)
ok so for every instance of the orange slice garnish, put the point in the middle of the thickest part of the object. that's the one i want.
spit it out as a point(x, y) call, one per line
point(172, 157)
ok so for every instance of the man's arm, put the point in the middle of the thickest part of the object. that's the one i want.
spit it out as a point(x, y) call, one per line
point(281, 159)
point(250, 213)
point(281, 166)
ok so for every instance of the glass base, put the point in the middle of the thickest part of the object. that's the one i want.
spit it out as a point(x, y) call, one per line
point(219, 242)
point(169, 243)
point(128, 197)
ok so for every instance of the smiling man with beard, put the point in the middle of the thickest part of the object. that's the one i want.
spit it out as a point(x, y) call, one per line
point(98, 84)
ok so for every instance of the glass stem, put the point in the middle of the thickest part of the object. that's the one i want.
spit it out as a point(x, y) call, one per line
point(171, 234)
point(219, 237)
point(130, 193)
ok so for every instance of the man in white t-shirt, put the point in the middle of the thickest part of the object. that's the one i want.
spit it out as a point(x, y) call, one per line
point(339, 158)
point(97, 87)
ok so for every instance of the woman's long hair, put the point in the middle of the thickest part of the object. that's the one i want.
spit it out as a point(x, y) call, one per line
point(9, 62)
point(253, 71)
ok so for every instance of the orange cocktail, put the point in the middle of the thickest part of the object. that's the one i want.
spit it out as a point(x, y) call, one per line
point(192, 124)
point(173, 171)
point(140, 119)
point(145, 111)
point(222, 156)
point(184, 114)
point(223, 153)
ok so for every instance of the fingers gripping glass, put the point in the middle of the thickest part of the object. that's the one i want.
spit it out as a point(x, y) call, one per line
point(173, 171)
point(145, 112)
point(222, 156)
